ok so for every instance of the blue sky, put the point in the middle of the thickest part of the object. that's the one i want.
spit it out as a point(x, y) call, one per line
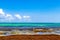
point(30, 10)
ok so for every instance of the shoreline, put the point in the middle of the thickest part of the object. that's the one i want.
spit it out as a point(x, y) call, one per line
point(30, 37)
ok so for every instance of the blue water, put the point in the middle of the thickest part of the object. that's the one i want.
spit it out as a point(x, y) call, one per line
point(38, 25)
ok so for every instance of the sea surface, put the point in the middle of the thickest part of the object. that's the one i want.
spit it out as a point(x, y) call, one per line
point(30, 25)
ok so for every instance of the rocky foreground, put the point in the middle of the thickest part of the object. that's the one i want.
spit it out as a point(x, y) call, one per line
point(30, 37)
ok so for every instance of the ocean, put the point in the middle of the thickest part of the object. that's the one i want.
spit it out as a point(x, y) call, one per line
point(30, 25)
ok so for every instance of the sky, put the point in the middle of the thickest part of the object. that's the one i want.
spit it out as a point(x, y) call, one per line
point(30, 11)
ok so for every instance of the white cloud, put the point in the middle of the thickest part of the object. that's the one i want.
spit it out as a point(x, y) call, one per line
point(10, 18)
point(5, 17)
point(18, 16)
point(1, 12)
point(27, 18)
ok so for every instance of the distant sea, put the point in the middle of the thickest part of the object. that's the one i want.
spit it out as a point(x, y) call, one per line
point(30, 25)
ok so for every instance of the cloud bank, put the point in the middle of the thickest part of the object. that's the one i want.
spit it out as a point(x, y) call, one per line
point(13, 18)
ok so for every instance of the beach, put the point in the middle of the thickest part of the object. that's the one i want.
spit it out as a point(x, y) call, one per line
point(28, 31)
point(30, 37)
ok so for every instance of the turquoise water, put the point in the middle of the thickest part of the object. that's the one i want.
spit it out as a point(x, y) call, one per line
point(31, 25)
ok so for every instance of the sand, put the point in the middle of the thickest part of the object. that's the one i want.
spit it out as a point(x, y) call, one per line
point(30, 37)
